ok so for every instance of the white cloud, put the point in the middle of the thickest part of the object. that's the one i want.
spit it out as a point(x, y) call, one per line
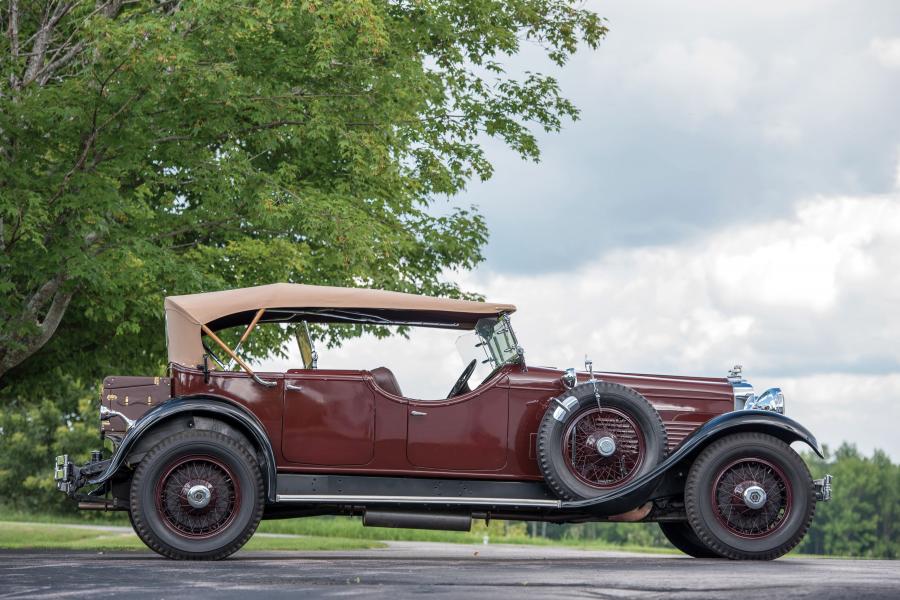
point(897, 173)
point(669, 131)
point(704, 76)
point(808, 303)
point(886, 52)
point(782, 132)
point(860, 408)
point(732, 294)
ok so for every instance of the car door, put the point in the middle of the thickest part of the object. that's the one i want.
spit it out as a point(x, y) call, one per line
point(329, 418)
point(466, 433)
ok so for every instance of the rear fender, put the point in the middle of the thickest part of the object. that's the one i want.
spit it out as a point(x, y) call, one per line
point(155, 423)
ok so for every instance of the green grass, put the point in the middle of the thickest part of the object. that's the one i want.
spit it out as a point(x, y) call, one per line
point(86, 517)
point(22, 535)
point(345, 530)
point(27, 530)
point(36, 530)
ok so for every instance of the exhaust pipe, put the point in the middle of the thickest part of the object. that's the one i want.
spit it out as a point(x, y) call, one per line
point(99, 505)
point(418, 520)
point(109, 504)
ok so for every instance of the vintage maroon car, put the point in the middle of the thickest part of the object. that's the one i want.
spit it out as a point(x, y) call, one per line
point(201, 455)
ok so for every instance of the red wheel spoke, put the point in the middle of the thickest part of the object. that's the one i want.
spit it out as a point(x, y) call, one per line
point(176, 510)
point(728, 501)
point(584, 459)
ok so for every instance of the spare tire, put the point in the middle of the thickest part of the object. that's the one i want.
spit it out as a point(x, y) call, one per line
point(586, 448)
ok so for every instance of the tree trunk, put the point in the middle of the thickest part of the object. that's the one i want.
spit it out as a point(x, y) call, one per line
point(51, 300)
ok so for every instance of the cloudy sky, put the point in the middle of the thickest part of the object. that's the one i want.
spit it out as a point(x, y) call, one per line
point(731, 194)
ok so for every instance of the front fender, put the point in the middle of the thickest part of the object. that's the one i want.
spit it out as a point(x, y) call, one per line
point(200, 405)
point(762, 421)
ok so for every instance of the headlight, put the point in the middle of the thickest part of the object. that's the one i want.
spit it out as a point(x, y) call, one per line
point(771, 399)
point(569, 378)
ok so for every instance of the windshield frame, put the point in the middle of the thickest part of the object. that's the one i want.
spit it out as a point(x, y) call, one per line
point(500, 332)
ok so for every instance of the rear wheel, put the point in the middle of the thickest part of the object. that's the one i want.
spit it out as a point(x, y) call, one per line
point(197, 495)
point(683, 537)
point(749, 496)
point(586, 447)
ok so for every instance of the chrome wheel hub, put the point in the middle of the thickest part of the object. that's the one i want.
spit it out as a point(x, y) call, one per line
point(198, 496)
point(754, 496)
point(606, 446)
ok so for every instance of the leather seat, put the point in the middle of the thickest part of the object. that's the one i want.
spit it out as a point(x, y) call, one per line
point(384, 378)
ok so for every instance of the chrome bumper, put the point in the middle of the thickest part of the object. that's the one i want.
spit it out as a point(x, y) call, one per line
point(70, 478)
point(823, 488)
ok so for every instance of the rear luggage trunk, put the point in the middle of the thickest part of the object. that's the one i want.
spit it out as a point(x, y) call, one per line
point(131, 396)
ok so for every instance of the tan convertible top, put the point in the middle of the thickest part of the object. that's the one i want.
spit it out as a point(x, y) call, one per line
point(187, 315)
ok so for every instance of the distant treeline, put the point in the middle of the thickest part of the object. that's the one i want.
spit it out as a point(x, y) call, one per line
point(860, 520)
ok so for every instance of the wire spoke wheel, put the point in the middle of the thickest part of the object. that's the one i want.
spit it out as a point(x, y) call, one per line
point(598, 436)
point(751, 498)
point(197, 497)
point(603, 447)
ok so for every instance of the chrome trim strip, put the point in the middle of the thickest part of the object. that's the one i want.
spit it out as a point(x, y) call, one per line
point(418, 500)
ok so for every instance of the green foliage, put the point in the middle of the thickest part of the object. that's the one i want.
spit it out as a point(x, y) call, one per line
point(154, 148)
point(158, 148)
point(861, 519)
point(32, 436)
point(615, 534)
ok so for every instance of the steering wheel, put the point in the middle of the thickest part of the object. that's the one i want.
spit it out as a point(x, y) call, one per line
point(463, 381)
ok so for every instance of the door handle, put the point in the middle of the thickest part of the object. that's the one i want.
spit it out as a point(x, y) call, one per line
point(293, 388)
point(418, 413)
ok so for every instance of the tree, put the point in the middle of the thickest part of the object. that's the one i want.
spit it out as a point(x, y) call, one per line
point(860, 520)
point(162, 147)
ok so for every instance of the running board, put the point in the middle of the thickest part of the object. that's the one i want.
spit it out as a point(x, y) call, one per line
point(353, 499)
point(367, 489)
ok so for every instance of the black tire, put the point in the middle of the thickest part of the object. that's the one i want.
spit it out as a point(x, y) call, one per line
point(683, 537)
point(633, 421)
point(164, 520)
point(719, 516)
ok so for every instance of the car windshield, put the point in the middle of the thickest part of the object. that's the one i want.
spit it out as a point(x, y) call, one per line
point(492, 344)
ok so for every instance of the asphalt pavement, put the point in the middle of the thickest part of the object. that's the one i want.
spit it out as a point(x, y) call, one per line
point(415, 569)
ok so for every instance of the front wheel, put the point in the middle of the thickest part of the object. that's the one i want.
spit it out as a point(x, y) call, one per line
point(749, 496)
point(197, 495)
